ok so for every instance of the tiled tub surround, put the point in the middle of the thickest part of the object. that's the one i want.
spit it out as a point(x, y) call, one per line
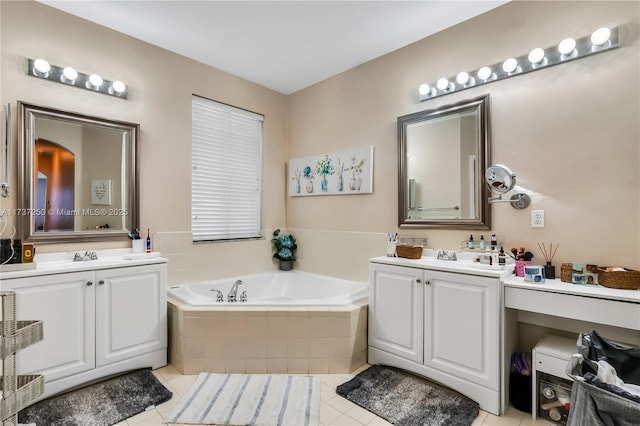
point(239, 339)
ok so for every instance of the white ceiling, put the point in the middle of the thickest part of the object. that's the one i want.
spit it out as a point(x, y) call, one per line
point(283, 45)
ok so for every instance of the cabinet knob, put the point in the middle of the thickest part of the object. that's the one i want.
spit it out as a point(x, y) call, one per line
point(418, 280)
point(427, 282)
point(101, 282)
point(89, 282)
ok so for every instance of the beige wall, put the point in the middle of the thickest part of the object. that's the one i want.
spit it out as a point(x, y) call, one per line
point(570, 133)
point(161, 84)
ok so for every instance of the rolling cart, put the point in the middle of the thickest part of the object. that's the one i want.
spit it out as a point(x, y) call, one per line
point(18, 392)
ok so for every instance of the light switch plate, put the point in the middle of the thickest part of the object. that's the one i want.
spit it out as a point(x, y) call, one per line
point(537, 218)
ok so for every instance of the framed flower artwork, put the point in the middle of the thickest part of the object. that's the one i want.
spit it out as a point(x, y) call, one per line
point(345, 172)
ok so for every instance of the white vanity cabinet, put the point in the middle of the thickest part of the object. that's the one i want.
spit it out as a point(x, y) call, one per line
point(462, 327)
point(131, 308)
point(65, 303)
point(441, 324)
point(96, 322)
point(395, 310)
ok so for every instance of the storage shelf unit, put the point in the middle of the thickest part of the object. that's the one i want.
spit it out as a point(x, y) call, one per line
point(18, 392)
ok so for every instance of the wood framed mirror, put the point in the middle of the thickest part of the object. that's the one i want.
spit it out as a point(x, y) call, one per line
point(77, 176)
point(443, 154)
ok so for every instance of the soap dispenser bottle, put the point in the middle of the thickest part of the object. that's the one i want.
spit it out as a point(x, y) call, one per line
point(148, 241)
point(472, 244)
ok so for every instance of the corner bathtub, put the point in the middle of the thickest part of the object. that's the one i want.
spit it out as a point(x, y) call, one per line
point(275, 288)
point(292, 322)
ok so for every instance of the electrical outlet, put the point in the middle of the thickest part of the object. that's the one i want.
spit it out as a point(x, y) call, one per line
point(537, 218)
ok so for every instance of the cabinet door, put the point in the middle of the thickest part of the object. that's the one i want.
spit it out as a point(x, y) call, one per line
point(65, 304)
point(461, 326)
point(131, 312)
point(395, 310)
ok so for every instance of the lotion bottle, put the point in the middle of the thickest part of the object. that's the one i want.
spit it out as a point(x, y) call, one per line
point(483, 244)
point(472, 244)
point(148, 241)
point(502, 259)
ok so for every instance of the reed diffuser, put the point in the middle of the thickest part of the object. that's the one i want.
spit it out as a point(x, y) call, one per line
point(549, 269)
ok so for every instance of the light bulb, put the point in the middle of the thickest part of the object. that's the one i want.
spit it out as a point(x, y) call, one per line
point(69, 75)
point(536, 56)
point(442, 84)
point(424, 89)
point(484, 73)
point(567, 46)
point(462, 78)
point(510, 65)
point(118, 86)
point(95, 81)
point(600, 36)
point(41, 66)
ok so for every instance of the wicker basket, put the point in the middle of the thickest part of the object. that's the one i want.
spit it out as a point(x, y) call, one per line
point(627, 279)
point(409, 252)
point(566, 271)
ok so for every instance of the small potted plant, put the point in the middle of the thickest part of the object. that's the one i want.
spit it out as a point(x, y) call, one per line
point(285, 246)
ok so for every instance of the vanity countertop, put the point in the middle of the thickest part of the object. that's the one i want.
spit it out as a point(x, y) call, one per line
point(56, 263)
point(558, 286)
point(461, 266)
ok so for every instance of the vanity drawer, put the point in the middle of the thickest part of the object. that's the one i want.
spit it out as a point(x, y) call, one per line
point(585, 308)
point(551, 365)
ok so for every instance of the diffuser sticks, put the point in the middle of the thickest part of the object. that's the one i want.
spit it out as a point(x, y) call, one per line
point(549, 269)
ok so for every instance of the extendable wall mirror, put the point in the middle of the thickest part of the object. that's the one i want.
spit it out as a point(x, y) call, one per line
point(500, 180)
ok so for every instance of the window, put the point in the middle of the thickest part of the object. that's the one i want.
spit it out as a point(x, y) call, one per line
point(226, 171)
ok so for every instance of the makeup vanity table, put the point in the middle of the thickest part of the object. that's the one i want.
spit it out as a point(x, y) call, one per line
point(614, 313)
point(594, 304)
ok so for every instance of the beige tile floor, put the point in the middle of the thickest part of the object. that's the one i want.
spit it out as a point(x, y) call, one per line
point(334, 410)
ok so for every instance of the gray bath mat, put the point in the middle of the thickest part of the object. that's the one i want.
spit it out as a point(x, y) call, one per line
point(407, 400)
point(101, 404)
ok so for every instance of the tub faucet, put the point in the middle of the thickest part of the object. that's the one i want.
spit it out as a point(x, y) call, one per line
point(219, 296)
point(231, 297)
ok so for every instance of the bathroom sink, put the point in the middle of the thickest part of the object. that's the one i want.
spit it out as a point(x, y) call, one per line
point(478, 265)
point(473, 264)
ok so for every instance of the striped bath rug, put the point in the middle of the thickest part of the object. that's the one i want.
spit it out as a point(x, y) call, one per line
point(250, 399)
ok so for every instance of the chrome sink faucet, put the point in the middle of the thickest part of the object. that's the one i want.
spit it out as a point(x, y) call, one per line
point(444, 255)
point(231, 297)
point(88, 255)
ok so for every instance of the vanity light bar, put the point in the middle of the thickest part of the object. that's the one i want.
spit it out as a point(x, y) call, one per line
point(40, 68)
point(601, 40)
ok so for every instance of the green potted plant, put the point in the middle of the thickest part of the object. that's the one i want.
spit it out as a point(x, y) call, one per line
point(285, 246)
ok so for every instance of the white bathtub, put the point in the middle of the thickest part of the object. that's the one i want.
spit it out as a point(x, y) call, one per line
point(292, 322)
point(275, 288)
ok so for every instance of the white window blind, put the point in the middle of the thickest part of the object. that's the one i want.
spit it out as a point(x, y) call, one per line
point(226, 171)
